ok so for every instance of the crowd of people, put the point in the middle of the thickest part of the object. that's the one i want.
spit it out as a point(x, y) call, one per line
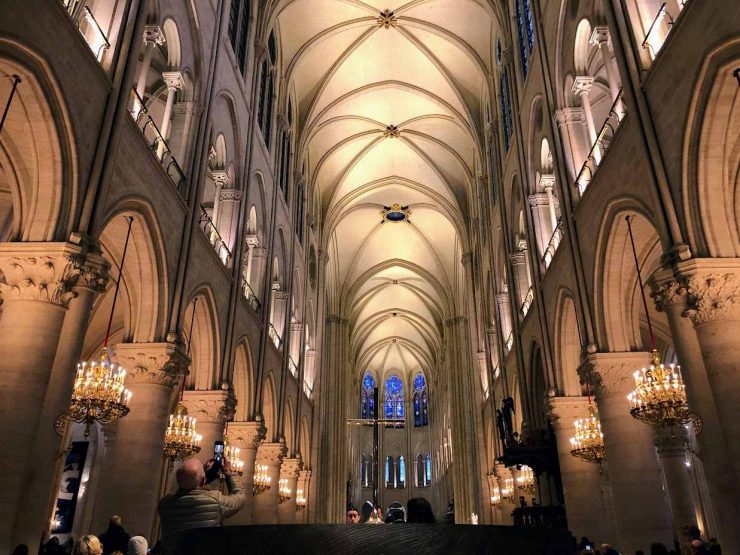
point(694, 544)
point(418, 511)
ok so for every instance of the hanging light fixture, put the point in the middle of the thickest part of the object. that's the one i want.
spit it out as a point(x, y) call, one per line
point(300, 500)
point(181, 440)
point(588, 443)
point(507, 491)
point(496, 496)
point(284, 491)
point(232, 453)
point(659, 397)
point(99, 393)
point(262, 481)
point(525, 480)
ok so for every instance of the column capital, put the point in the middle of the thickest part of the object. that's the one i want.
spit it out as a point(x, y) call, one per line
point(246, 435)
point(252, 241)
point(230, 194)
point(290, 468)
point(666, 290)
point(296, 327)
point(304, 476)
point(582, 84)
point(600, 35)
point(271, 454)
point(502, 298)
point(153, 35)
point(517, 258)
point(565, 116)
point(612, 373)
point(538, 199)
point(567, 409)
point(713, 288)
point(173, 79)
point(152, 363)
point(547, 181)
point(221, 177)
point(671, 440)
point(210, 406)
point(44, 272)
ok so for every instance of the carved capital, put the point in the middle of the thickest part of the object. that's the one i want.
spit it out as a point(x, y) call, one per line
point(582, 84)
point(466, 258)
point(565, 410)
point(547, 181)
point(570, 115)
point(152, 363)
point(271, 454)
point(502, 299)
point(246, 435)
point(44, 272)
point(290, 468)
point(231, 194)
point(153, 34)
point(538, 199)
point(600, 35)
point(304, 476)
point(612, 373)
point(210, 406)
point(712, 287)
point(173, 80)
point(671, 440)
point(221, 177)
point(517, 258)
point(666, 292)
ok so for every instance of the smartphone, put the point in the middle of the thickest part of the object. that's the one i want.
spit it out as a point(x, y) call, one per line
point(218, 452)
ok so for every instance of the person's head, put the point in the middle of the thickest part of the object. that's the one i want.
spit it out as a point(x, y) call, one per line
point(639, 552)
point(137, 545)
point(20, 549)
point(88, 545)
point(353, 517)
point(190, 475)
point(420, 511)
point(115, 520)
point(658, 548)
point(692, 531)
point(697, 546)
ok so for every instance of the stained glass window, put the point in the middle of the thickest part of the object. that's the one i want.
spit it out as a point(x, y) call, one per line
point(506, 119)
point(394, 397)
point(525, 33)
point(368, 398)
point(428, 468)
point(421, 410)
point(401, 472)
point(389, 472)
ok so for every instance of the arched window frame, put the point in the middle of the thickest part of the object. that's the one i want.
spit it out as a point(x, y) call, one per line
point(267, 88)
point(390, 472)
point(421, 408)
point(506, 116)
point(428, 469)
point(401, 472)
point(394, 397)
point(367, 398)
point(239, 22)
point(525, 33)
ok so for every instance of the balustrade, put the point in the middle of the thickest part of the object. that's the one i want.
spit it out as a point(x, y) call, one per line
point(249, 295)
point(307, 390)
point(553, 244)
point(293, 367)
point(527, 302)
point(274, 336)
point(88, 26)
point(660, 27)
point(209, 228)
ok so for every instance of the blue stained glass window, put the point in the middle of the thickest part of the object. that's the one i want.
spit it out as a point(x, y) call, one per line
point(505, 107)
point(525, 32)
point(368, 382)
point(417, 410)
point(421, 410)
point(428, 468)
point(394, 397)
point(419, 382)
point(401, 471)
point(367, 396)
point(388, 471)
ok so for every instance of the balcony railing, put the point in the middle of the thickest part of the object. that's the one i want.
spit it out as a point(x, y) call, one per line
point(88, 26)
point(660, 27)
point(307, 390)
point(274, 336)
point(293, 367)
point(553, 244)
point(248, 293)
point(540, 517)
point(527, 302)
point(510, 341)
point(601, 144)
point(156, 142)
point(218, 244)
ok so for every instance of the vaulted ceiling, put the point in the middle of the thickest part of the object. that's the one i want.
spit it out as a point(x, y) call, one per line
point(390, 96)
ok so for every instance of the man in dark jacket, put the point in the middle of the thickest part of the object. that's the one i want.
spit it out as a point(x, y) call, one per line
point(115, 537)
point(191, 506)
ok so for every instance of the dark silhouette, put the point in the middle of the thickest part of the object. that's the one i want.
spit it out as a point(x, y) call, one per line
point(20, 549)
point(420, 511)
point(658, 549)
point(115, 538)
point(365, 511)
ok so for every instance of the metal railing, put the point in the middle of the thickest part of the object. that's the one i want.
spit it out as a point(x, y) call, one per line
point(510, 340)
point(660, 27)
point(307, 390)
point(601, 144)
point(214, 237)
point(553, 244)
point(274, 336)
point(248, 293)
point(88, 27)
point(156, 142)
point(293, 367)
point(540, 517)
point(527, 302)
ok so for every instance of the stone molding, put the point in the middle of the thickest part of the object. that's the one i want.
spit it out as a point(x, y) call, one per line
point(582, 84)
point(154, 34)
point(666, 290)
point(152, 363)
point(599, 36)
point(45, 272)
point(290, 468)
point(713, 289)
point(173, 80)
point(565, 410)
point(612, 373)
point(230, 194)
point(210, 406)
point(246, 435)
point(570, 115)
point(538, 199)
point(271, 454)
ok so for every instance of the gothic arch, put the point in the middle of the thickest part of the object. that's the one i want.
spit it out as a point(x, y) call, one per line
point(269, 406)
point(204, 345)
point(567, 346)
point(243, 380)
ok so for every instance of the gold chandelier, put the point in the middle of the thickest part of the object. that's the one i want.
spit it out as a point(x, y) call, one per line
point(232, 453)
point(99, 394)
point(284, 491)
point(181, 440)
point(525, 480)
point(496, 496)
point(507, 492)
point(262, 481)
point(588, 443)
point(300, 500)
point(659, 397)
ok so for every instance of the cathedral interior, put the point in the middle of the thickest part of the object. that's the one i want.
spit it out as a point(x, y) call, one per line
point(326, 233)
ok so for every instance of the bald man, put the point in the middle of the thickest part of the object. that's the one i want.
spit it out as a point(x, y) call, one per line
point(192, 506)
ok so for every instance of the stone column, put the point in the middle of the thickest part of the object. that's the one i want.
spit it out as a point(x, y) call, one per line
point(174, 82)
point(641, 512)
point(39, 490)
point(581, 87)
point(600, 38)
point(259, 260)
point(153, 36)
point(221, 180)
point(38, 280)
point(304, 487)
point(671, 297)
point(211, 410)
point(247, 437)
point(266, 503)
point(229, 216)
point(289, 471)
point(547, 182)
point(131, 486)
point(671, 445)
point(279, 306)
point(589, 510)
point(519, 269)
point(504, 307)
point(571, 122)
point(539, 203)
